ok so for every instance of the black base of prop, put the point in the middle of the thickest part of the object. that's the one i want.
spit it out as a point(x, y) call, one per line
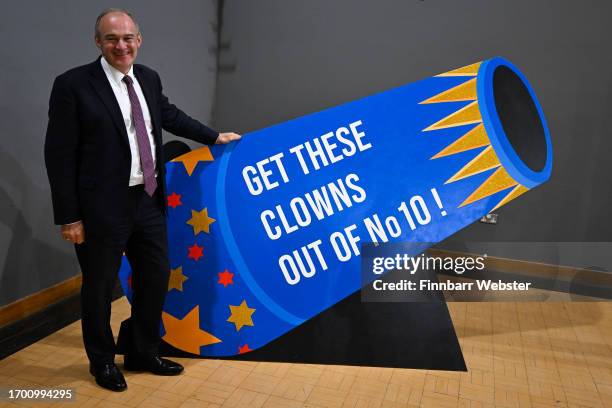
point(402, 335)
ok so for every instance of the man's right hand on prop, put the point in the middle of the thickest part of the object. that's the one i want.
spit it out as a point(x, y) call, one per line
point(228, 137)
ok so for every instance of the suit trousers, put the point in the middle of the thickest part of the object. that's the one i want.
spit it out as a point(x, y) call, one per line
point(143, 238)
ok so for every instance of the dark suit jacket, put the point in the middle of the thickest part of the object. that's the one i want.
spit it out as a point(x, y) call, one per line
point(87, 151)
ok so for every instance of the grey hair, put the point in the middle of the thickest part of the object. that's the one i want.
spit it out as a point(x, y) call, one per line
point(114, 10)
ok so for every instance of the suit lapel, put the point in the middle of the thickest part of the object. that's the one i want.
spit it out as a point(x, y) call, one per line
point(105, 92)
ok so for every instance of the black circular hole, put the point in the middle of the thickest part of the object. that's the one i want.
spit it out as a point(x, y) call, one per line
point(519, 118)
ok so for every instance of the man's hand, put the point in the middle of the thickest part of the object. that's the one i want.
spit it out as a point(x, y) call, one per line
point(225, 138)
point(74, 232)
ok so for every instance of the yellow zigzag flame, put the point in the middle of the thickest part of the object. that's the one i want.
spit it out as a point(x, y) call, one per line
point(475, 138)
point(463, 92)
point(469, 70)
point(498, 181)
point(486, 160)
point(464, 116)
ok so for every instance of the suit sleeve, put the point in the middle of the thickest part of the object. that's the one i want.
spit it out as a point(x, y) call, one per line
point(179, 123)
point(61, 150)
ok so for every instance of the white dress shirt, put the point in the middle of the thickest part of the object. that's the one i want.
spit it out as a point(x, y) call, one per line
point(115, 78)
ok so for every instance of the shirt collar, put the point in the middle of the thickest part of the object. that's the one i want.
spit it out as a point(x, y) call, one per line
point(114, 74)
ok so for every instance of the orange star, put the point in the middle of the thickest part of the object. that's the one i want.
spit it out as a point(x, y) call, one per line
point(243, 349)
point(195, 252)
point(185, 334)
point(174, 200)
point(190, 160)
point(226, 278)
point(176, 279)
point(241, 315)
point(200, 221)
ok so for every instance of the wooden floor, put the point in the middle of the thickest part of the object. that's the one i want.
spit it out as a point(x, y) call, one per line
point(538, 354)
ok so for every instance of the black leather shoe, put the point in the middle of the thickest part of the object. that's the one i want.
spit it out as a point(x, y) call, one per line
point(108, 376)
point(152, 364)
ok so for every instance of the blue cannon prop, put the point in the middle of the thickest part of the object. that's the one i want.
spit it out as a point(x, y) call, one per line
point(264, 234)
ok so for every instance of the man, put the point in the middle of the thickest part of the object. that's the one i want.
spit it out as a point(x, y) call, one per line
point(104, 160)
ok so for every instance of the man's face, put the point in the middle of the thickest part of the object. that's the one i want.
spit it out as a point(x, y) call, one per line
point(119, 40)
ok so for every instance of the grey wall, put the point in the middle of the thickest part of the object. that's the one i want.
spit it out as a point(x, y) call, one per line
point(40, 40)
point(293, 58)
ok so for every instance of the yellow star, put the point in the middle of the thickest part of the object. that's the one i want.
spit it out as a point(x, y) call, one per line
point(200, 221)
point(176, 279)
point(241, 315)
point(190, 160)
point(185, 334)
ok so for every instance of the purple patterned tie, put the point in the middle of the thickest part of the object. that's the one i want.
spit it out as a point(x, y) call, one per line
point(144, 148)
